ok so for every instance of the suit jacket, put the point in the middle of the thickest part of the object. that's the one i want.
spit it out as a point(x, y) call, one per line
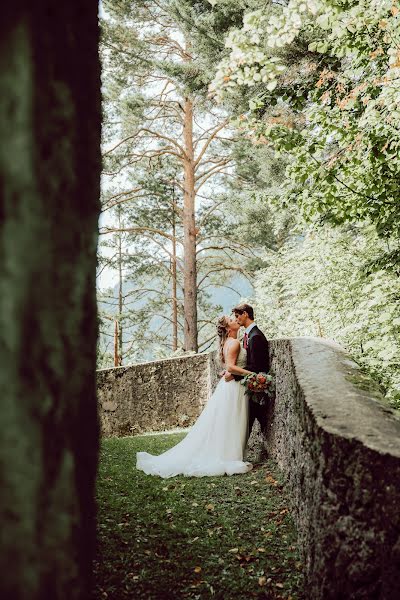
point(257, 351)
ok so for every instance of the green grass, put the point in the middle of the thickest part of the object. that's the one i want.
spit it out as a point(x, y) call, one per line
point(186, 537)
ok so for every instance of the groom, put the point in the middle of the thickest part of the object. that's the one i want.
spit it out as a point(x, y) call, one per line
point(256, 344)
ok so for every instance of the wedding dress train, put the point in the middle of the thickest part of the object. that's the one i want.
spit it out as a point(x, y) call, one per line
point(215, 444)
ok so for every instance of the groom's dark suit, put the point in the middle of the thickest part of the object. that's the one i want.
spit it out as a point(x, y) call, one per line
point(257, 360)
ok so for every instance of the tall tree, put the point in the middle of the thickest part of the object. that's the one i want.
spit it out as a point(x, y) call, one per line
point(49, 178)
point(156, 111)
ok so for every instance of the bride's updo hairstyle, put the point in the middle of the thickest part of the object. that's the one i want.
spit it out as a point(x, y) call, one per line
point(222, 330)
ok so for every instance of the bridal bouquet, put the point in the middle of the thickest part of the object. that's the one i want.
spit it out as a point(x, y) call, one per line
point(258, 382)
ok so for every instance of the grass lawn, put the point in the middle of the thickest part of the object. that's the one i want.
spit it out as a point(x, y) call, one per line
point(187, 537)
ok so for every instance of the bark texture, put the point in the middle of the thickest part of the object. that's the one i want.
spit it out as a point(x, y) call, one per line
point(189, 235)
point(49, 182)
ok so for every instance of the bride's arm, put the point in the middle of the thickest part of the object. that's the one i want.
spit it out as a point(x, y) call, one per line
point(232, 352)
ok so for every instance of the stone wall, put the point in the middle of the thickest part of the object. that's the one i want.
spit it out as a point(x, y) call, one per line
point(339, 445)
point(155, 396)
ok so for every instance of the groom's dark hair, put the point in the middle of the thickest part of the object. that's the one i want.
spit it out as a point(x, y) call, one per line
point(241, 308)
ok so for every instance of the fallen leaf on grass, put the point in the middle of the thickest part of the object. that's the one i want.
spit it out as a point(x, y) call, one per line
point(269, 479)
point(279, 585)
point(260, 549)
point(197, 569)
point(244, 558)
point(210, 507)
point(262, 581)
point(234, 550)
point(197, 583)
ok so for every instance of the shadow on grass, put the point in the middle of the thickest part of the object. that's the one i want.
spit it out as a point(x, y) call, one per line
point(186, 537)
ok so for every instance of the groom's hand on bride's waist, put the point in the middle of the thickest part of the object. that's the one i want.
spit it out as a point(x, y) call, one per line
point(226, 375)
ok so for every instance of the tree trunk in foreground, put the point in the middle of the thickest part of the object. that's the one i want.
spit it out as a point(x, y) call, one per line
point(49, 182)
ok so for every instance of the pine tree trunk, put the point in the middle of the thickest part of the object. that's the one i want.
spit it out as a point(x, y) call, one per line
point(116, 344)
point(120, 297)
point(189, 234)
point(174, 282)
point(49, 207)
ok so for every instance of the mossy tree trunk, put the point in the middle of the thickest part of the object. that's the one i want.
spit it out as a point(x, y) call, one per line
point(49, 182)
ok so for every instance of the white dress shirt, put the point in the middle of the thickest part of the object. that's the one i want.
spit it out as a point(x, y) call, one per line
point(249, 328)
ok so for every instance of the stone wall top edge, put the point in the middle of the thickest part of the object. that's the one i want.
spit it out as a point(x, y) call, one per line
point(343, 400)
point(198, 356)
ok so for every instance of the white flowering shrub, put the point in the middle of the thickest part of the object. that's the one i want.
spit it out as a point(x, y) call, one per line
point(340, 136)
point(317, 286)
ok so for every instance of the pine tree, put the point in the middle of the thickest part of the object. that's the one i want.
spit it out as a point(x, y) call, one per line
point(157, 115)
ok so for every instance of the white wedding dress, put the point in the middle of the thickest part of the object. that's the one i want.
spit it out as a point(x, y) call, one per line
point(215, 444)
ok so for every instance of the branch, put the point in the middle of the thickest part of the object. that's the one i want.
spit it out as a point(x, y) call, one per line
point(210, 342)
point(208, 177)
point(215, 168)
point(106, 230)
point(178, 260)
point(165, 137)
point(130, 137)
point(208, 142)
point(224, 268)
point(224, 237)
point(106, 208)
point(228, 287)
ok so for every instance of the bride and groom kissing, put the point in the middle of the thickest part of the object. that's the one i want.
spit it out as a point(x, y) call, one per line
point(215, 444)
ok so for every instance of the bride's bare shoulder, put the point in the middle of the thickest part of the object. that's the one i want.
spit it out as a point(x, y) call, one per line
point(232, 343)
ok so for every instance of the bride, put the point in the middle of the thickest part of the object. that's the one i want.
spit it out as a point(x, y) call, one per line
point(215, 444)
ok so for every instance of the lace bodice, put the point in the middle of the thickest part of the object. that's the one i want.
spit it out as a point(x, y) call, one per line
point(242, 358)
